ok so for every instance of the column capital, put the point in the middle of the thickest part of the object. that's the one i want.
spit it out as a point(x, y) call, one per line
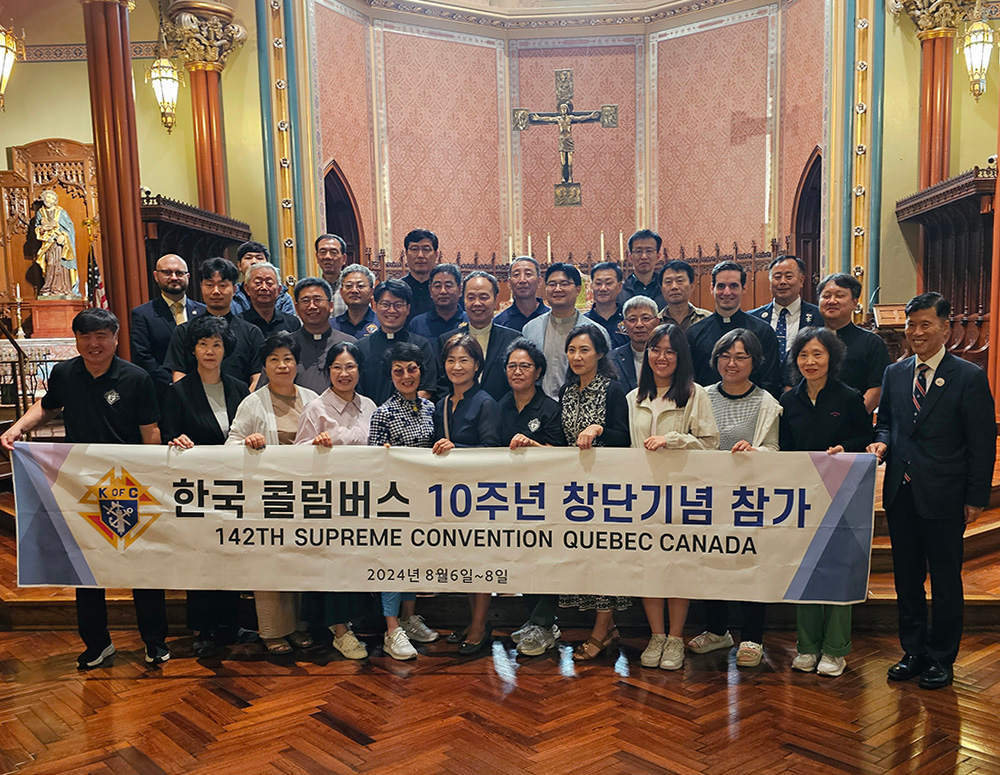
point(203, 33)
point(128, 5)
point(933, 15)
point(937, 32)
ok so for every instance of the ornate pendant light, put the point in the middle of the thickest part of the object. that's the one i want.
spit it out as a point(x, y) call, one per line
point(11, 49)
point(977, 46)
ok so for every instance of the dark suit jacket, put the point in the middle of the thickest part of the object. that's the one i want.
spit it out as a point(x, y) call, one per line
point(950, 449)
point(808, 315)
point(621, 358)
point(493, 377)
point(149, 334)
point(186, 410)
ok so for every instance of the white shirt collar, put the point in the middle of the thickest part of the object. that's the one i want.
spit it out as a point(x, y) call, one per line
point(793, 308)
point(934, 361)
point(170, 302)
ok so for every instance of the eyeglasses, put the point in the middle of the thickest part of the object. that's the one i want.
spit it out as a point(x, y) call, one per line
point(399, 306)
point(520, 366)
point(644, 252)
point(559, 284)
point(312, 301)
point(338, 368)
point(399, 371)
point(173, 272)
point(656, 352)
point(740, 359)
point(426, 249)
point(360, 285)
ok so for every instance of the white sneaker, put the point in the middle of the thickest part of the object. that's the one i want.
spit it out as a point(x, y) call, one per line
point(415, 629)
point(831, 666)
point(350, 646)
point(521, 631)
point(709, 641)
point(805, 663)
point(398, 646)
point(536, 640)
point(654, 651)
point(673, 653)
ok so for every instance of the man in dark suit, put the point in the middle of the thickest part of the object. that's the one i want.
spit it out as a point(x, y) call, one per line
point(787, 313)
point(153, 323)
point(937, 433)
point(479, 292)
point(640, 320)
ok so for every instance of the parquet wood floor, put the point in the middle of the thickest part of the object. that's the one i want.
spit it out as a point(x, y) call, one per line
point(442, 715)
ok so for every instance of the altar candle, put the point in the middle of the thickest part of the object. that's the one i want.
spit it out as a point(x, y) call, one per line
point(510, 247)
point(621, 247)
point(548, 248)
point(602, 245)
point(17, 292)
point(529, 243)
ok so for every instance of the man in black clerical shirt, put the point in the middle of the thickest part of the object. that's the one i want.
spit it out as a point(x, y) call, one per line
point(261, 283)
point(867, 356)
point(644, 254)
point(392, 305)
point(356, 285)
point(422, 254)
point(104, 400)
point(446, 291)
point(218, 284)
point(729, 281)
point(313, 297)
point(525, 277)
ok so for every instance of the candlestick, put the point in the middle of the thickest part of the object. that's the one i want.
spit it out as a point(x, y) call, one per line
point(548, 248)
point(602, 245)
point(529, 243)
point(510, 246)
point(621, 246)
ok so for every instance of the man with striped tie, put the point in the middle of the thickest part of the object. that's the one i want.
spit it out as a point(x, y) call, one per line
point(937, 433)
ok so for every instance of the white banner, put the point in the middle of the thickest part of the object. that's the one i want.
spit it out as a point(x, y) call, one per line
point(704, 525)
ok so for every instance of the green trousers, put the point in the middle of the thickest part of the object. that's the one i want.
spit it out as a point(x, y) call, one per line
point(824, 628)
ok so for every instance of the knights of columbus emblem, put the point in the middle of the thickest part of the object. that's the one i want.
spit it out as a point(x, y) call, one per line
point(118, 498)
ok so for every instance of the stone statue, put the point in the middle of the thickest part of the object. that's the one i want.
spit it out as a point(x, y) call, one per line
point(565, 119)
point(56, 254)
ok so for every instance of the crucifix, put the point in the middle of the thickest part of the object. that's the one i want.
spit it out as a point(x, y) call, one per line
point(566, 192)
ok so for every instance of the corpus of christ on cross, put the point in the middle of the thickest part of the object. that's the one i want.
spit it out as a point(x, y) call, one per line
point(566, 192)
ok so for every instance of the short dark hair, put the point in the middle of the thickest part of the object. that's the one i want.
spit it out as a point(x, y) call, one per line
point(450, 269)
point(729, 266)
point(487, 275)
point(600, 343)
point(468, 343)
point(645, 234)
point(567, 269)
point(530, 260)
point(825, 337)
point(90, 320)
point(397, 288)
point(252, 247)
point(276, 341)
point(930, 300)
point(207, 327)
point(321, 237)
point(787, 257)
point(420, 234)
point(676, 265)
point(312, 282)
point(750, 343)
point(600, 267)
point(533, 350)
point(402, 352)
point(344, 347)
point(219, 266)
point(682, 383)
point(841, 280)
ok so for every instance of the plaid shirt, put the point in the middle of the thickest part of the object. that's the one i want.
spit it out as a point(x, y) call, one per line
point(403, 423)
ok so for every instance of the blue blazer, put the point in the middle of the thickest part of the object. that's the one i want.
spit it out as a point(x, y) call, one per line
point(621, 358)
point(949, 450)
point(149, 335)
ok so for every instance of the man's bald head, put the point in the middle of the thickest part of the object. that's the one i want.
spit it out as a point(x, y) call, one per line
point(171, 275)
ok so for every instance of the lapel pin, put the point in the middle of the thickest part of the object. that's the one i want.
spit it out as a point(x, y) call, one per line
point(939, 381)
point(765, 314)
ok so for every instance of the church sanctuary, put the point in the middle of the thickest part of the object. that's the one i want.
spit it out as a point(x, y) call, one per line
point(665, 334)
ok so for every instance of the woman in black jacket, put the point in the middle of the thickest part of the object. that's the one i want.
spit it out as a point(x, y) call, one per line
point(822, 414)
point(197, 410)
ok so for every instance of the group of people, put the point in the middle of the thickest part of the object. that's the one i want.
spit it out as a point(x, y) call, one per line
point(426, 361)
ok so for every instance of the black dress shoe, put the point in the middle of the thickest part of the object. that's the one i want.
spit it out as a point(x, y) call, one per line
point(909, 666)
point(937, 676)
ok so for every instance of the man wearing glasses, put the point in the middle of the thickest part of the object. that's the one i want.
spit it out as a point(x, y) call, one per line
point(643, 253)
point(562, 286)
point(392, 307)
point(153, 323)
point(421, 255)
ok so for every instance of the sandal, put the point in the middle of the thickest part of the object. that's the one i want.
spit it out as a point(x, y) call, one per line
point(592, 648)
point(301, 640)
point(278, 646)
point(458, 636)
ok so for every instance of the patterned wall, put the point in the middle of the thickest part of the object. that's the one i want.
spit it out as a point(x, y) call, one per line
point(710, 177)
point(801, 112)
point(604, 162)
point(345, 112)
point(444, 164)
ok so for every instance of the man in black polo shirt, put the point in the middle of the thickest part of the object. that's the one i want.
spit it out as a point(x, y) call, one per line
point(606, 284)
point(105, 400)
point(261, 283)
point(867, 356)
point(218, 284)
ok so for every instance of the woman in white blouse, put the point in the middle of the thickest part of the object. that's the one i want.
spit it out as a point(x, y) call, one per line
point(271, 416)
point(669, 411)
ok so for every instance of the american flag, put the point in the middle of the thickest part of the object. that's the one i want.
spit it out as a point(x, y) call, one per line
point(95, 284)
